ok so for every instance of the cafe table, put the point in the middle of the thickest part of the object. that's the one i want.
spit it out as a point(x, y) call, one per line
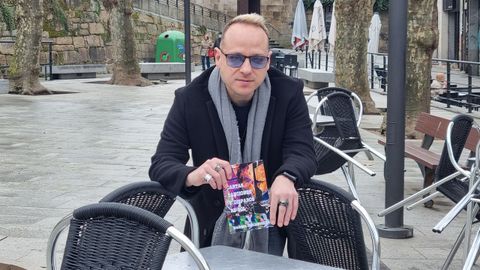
point(228, 258)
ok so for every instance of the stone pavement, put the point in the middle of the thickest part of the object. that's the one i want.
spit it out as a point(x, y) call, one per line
point(63, 151)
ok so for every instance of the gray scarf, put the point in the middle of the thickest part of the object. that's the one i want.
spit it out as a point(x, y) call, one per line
point(256, 240)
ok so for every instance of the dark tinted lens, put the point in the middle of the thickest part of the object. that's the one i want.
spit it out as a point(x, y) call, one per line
point(235, 60)
point(258, 61)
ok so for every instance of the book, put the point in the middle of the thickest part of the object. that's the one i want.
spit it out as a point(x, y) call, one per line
point(247, 198)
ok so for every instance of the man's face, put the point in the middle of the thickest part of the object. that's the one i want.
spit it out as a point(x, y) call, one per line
point(247, 40)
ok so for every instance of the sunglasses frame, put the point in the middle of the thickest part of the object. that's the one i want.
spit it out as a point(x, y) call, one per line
point(227, 55)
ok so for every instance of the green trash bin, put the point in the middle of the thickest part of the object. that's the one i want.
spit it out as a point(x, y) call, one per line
point(170, 47)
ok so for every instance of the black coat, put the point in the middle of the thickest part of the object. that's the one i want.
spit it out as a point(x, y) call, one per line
point(193, 123)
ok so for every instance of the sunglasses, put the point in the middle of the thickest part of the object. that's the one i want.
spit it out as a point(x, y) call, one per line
point(235, 60)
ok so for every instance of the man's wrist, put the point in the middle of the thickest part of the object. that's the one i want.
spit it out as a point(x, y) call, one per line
point(290, 176)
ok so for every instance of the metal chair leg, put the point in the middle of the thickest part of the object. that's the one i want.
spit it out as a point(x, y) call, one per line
point(454, 249)
point(424, 200)
point(420, 193)
point(350, 182)
point(473, 253)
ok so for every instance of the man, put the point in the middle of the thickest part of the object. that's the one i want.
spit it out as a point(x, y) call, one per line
point(273, 125)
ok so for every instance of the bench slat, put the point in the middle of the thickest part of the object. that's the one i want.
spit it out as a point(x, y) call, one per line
point(432, 125)
point(472, 139)
point(421, 155)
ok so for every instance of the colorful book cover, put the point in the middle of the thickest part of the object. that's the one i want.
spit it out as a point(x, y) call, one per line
point(247, 198)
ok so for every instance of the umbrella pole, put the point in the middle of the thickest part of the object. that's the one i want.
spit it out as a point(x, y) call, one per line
point(326, 59)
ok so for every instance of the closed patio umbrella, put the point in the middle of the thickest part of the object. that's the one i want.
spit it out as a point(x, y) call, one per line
point(374, 33)
point(318, 33)
point(332, 33)
point(300, 31)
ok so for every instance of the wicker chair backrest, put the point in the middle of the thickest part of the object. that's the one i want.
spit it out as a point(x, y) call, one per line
point(327, 230)
point(344, 135)
point(454, 189)
point(148, 195)
point(115, 236)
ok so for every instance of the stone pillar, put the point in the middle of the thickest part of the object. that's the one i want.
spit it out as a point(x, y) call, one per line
point(472, 35)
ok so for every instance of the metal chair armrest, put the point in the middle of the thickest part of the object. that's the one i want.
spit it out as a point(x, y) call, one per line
point(345, 156)
point(360, 108)
point(189, 246)
point(52, 240)
point(375, 152)
point(373, 233)
point(192, 216)
point(443, 223)
point(313, 94)
point(448, 142)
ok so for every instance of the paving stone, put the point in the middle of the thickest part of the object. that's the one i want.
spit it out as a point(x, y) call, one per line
point(60, 152)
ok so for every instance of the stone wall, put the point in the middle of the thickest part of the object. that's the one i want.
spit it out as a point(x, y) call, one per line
point(87, 40)
point(278, 13)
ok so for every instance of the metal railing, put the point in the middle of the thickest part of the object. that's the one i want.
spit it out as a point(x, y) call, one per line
point(46, 66)
point(320, 59)
point(200, 15)
point(378, 69)
point(460, 85)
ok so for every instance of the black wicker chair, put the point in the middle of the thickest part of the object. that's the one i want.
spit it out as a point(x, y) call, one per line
point(148, 195)
point(323, 92)
point(328, 228)
point(449, 180)
point(119, 236)
point(336, 145)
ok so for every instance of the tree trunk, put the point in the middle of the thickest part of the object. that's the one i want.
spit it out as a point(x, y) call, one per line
point(422, 39)
point(24, 68)
point(353, 19)
point(126, 70)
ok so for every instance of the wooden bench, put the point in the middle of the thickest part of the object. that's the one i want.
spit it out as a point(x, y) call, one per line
point(433, 127)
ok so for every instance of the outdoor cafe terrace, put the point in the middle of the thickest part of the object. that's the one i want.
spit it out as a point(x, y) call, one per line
point(114, 148)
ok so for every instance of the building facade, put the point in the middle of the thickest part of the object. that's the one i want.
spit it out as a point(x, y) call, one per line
point(459, 30)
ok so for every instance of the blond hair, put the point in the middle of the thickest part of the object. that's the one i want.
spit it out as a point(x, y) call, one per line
point(440, 77)
point(251, 19)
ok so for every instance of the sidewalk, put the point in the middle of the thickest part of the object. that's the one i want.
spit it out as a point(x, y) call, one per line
point(63, 151)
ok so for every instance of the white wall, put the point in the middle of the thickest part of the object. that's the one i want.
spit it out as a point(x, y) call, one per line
point(442, 50)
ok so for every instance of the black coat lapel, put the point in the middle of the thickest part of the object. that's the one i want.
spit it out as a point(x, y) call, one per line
point(267, 130)
point(217, 130)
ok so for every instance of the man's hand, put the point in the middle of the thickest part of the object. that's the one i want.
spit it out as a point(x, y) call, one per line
point(214, 172)
point(284, 198)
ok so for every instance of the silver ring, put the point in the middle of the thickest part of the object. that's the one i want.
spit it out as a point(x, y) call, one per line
point(207, 177)
point(218, 168)
point(283, 203)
